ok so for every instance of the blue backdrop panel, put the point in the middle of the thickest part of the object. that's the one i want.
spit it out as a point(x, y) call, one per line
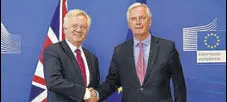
point(30, 20)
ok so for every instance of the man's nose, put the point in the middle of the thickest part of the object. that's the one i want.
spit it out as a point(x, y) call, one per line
point(138, 22)
point(78, 29)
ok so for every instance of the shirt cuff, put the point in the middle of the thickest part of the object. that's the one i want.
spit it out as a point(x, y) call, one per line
point(87, 94)
point(97, 94)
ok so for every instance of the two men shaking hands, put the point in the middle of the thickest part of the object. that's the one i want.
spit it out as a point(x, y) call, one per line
point(143, 66)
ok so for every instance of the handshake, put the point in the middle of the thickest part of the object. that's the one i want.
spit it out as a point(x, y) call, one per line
point(94, 97)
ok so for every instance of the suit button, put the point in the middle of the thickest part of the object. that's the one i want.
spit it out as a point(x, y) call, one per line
point(141, 89)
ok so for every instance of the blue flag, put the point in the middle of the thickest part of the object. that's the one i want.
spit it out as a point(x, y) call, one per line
point(211, 40)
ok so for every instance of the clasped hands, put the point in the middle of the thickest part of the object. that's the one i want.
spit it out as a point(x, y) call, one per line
point(94, 97)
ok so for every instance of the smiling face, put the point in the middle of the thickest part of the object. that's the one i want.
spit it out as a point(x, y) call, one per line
point(75, 29)
point(139, 22)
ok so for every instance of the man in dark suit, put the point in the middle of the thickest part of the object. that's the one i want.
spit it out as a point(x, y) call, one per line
point(144, 65)
point(69, 68)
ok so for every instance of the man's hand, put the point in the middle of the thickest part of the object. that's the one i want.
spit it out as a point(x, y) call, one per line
point(94, 97)
point(93, 93)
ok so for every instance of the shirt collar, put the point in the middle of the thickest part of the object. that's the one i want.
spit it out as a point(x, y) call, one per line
point(72, 47)
point(145, 42)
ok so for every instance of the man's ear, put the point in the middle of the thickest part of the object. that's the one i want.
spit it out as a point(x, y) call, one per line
point(150, 21)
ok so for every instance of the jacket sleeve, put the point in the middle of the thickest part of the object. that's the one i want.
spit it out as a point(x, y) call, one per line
point(97, 81)
point(112, 81)
point(180, 91)
point(55, 80)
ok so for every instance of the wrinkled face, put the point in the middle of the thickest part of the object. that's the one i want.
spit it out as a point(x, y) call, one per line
point(76, 29)
point(139, 22)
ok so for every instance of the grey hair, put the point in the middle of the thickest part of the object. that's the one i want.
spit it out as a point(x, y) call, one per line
point(137, 4)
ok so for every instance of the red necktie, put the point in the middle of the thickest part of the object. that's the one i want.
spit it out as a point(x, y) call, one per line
point(81, 64)
point(140, 67)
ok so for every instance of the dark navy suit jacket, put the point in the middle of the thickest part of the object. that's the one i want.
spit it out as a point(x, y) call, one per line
point(163, 65)
point(63, 76)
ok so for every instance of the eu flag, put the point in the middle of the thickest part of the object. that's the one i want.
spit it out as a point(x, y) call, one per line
point(211, 40)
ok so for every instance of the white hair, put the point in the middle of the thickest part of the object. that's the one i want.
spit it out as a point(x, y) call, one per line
point(137, 4)
point(76, 12)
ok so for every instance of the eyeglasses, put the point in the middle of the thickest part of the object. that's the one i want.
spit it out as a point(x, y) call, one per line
point(81, 27)
point(141, 18)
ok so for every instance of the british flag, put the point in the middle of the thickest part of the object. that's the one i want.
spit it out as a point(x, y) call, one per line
point(54, 34)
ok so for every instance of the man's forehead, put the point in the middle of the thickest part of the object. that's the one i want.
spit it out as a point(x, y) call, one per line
point(139, 10)
point(77, 20)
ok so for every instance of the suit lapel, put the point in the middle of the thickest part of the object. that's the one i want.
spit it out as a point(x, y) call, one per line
point(130, 52)
point(68, 52)
point(152, 57)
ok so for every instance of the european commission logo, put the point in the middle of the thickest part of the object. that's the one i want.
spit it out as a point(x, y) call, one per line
point(10, 44)
point(208, 43)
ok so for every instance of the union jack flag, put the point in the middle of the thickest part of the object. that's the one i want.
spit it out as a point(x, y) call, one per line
point(55, 34)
